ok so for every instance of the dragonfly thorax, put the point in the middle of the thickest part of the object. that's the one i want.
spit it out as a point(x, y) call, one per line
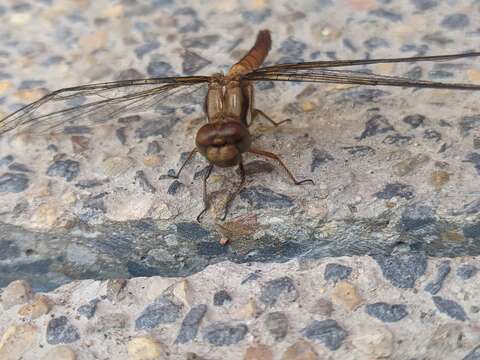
point(226, 99)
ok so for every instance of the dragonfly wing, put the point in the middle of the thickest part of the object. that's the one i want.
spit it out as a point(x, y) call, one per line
point(330, 76)
point(323, 72)
point(98, 103)
point(341, 63)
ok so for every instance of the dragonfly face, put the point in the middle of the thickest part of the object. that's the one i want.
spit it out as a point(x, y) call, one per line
point(223, 142)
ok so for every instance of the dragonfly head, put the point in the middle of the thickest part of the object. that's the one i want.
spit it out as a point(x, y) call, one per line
point(222, 143)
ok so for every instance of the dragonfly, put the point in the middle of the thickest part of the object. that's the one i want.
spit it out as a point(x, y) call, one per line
point(229, 104)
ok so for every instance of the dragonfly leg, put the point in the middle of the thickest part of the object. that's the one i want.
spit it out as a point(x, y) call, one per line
point(277, 159)
point(189, 157)
point(205, 197)
point(257, 112)
point(233, 195)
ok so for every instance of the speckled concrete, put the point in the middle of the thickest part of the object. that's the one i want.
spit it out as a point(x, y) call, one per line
point(405, 307)
point(396, 170)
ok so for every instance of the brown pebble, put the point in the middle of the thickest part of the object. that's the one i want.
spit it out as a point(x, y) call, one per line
point(17, 292)
point(144, 348)
point(16, 340)
point(407, 166)
point(115, 289)
point(62, 352)
point(322, 307)
point(301, 350)
point(347, 295)
point(439, 178)
point(258, 352)
point(40, 306)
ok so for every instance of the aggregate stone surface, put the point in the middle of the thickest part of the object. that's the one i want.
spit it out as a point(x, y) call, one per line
point(178, 318)
point(395, 169)
point(395, 194)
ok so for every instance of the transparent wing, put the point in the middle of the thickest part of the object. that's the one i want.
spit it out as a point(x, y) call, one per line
point(97, 103)
point(318, 71)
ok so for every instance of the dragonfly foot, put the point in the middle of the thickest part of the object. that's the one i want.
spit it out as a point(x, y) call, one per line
point(301, 182)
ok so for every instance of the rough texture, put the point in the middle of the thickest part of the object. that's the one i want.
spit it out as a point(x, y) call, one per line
point(396, 174)
point(395, 170)
point(159, 315)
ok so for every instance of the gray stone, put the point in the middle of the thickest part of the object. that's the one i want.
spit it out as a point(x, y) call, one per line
point(256, 17)
point(474, 354)
point(187, 20)
point(191, 231)
point(88, 310)
point(468, 123)
point(377, 124)
point(193, 62)
point(386, 14)
point(13, 182)
point(67, 169)
point(414, 120)
point(6, 160)
point(319, 157)
point(159, 69)
point(361, 96)
point(423, 5)
point(417, 218)
point(455, 21)
point(111, 321)
point(146, 48)
point(360, 150)
point(376, 42)
point(474, 158)
point(78, 130)
point(443, 271)
point(121, 135)
point(292, 47)
point(404, 270)
point(466, 271)
point(221, 297)
point(437, 38)
point(336, 272)
point(190, 324)
point(450, 308)
point(277, 290)
point(433, 135)
point(155, 128)
point(142, 180)
point(391, 190)
point(472, 231)
point(387, 312)
point(201, 42)
point(175, 187)
point(328, 332)
point(8, 250)
point(161, 311)
point(276, 324)
point(397, 139)
point(153, 147)
point(224, 334)
point(261, 197)
point(61, 331)
point(19, 167)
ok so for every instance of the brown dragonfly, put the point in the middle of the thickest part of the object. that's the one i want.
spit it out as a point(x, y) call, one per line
point(229, 105)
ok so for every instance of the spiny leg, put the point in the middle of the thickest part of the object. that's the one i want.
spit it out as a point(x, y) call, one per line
point(257, 112)
point(205, 198)
point(189, 157)
point(233, 195)
point(277, 158)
